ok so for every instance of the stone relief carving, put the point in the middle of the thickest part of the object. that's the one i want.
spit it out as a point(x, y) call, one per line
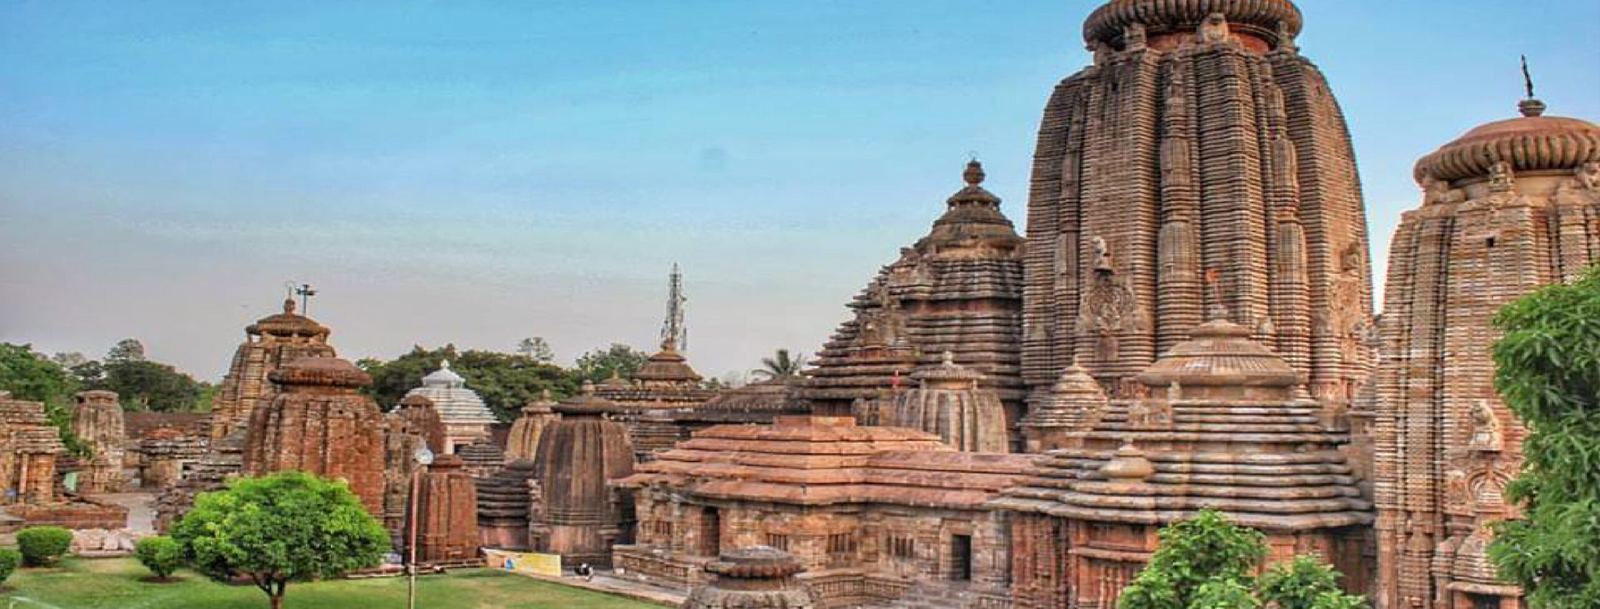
point(1214, 28)
point(1109, 306)
point(1501, 177)
point(1486, 433)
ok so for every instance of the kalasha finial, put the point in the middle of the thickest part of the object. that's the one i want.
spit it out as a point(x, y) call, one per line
point(288, 306)
point(974, 174)
point(1531, 106)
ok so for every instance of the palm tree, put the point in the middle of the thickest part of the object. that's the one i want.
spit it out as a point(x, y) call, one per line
point(780, 365)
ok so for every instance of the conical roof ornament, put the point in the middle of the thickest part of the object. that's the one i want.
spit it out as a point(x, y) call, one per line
point(974, 174)
point(1531, 106)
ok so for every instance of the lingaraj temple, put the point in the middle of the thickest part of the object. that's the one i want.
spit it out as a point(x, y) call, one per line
point(1007, 415)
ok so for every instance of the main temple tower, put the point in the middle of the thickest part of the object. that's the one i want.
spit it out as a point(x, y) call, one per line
point(1200, 161)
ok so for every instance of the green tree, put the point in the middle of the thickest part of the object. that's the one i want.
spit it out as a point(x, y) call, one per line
point(9, 560)
point(1548, 372)
point(29, 375)
point(126, 350)
point(618, 359)
point(161, 554)
point(1206, 562)
point(505, 381)
point(145, 385)
point(780, 365)
point(281, 528)
point(537, 349)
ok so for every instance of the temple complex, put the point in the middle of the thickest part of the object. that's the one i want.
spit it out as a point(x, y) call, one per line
point(271, 342)
point(578, 455)
point(523, 439)
point(958, 289)
point(1227, 425)
point(1508, 207)
point(466, 418)
point(757, 577)
point(948, 401)
point(447, 515)
point(97, 421)
point(868, 510)
point(1200, 148)
point(318, 424)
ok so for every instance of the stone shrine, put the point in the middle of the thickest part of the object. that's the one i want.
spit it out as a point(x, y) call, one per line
point(1200, 147)
point(958, 289)
point(757, 577)
point(581, 518)
point(29, 445)
point(447, 515)
point(97, 421)
point(1508, 207)
point(410, 427)
point(466, 418)
point(318, 424)
point(524, 437)
point(1074, 398)
point(664, 388)
point(271, 342)
point(949, 403)
point(1227, 426)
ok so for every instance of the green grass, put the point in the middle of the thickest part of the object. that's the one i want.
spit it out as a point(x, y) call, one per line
point(114, 584)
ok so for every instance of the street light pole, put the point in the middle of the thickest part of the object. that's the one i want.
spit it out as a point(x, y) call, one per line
point(424, 457)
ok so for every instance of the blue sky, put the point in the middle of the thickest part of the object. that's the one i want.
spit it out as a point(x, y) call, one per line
point(477, 172)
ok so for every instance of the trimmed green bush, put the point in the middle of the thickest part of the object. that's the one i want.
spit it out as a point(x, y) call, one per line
point(160, 554)
point(43, 545)
point(9, 559)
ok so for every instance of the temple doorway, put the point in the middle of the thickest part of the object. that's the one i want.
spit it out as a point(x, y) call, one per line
point(961, 557)
point(710, 532)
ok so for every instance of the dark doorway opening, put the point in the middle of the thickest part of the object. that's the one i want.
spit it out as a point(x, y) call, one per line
point(710, 532)
point(961, 557)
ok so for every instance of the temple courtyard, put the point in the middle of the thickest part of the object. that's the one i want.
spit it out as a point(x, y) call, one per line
point(119, 583)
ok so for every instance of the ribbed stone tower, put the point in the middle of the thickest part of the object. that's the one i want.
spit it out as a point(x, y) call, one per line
point(525, 431)
point(318, 424)
point(756, 577)
point(1507, 207)
point(577, 456)
point(959, 289)
point(949, 402)
point(98, 421)
point(1200, 160)
point(271, 342)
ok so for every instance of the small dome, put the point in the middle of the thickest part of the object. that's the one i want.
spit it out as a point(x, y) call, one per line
point(320, 372)
point(1219, 353)
point(1107, 23)
point(1530, 142)
point(586, 403)
point(287, 323)
point(443, 377)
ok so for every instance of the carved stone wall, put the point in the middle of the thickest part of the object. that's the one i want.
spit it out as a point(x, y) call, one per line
point(1508, 207)
point(29, 445)
point(318, 424)
point(447, 513)
point(97, 420)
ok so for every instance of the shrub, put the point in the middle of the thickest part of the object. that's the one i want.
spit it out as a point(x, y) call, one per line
point(43, 545)
point(9, 559)
point(160, 554)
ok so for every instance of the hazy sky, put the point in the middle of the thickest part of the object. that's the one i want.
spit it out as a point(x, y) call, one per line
point(477, 172)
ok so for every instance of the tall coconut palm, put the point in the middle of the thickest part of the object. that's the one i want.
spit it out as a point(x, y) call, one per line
point(780, 365)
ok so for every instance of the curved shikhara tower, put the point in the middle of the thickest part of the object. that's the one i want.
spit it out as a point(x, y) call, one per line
point(1200, 161)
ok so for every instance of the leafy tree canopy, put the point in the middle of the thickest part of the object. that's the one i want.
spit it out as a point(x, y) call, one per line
point(1206, 562)
point(29, 375)
point(280, 528)
point(145, 385)
point(126, 350)
point(619, 359)
point(505, 381)
point(537, 349)
point(1548, 372)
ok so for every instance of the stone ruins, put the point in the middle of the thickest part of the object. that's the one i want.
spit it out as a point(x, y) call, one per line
point(317, 423)
point(271, 342)
point(97, 421)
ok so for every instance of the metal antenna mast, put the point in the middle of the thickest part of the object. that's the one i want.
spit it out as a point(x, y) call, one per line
point(674, 334)
point(305, 292)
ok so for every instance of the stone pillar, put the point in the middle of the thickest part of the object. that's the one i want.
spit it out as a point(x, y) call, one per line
point(97, 421)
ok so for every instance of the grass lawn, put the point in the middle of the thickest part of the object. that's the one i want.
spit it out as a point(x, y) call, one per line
point(114, 584)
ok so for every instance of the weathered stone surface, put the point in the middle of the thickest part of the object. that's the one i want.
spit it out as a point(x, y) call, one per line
point(466, 418)
point(581, 518)
point(271, 342)
point(949, 402)
point(506, 502)
point(1071, 403)
point(29, 445)
point(1508, 207)
point(482, 459)
point(160, 446)
point(524, 437)
point(757, 577)
point(866, 504)
point(447, 513)
point(958, 289)
point(1227, 426)
point(410, 427)
point(318, 424)
point(665, 387)
point(222, 462)
point(1199, 148)
point(97, 420)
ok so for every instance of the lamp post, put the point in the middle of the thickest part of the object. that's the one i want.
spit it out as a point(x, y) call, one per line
point(424, 457)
